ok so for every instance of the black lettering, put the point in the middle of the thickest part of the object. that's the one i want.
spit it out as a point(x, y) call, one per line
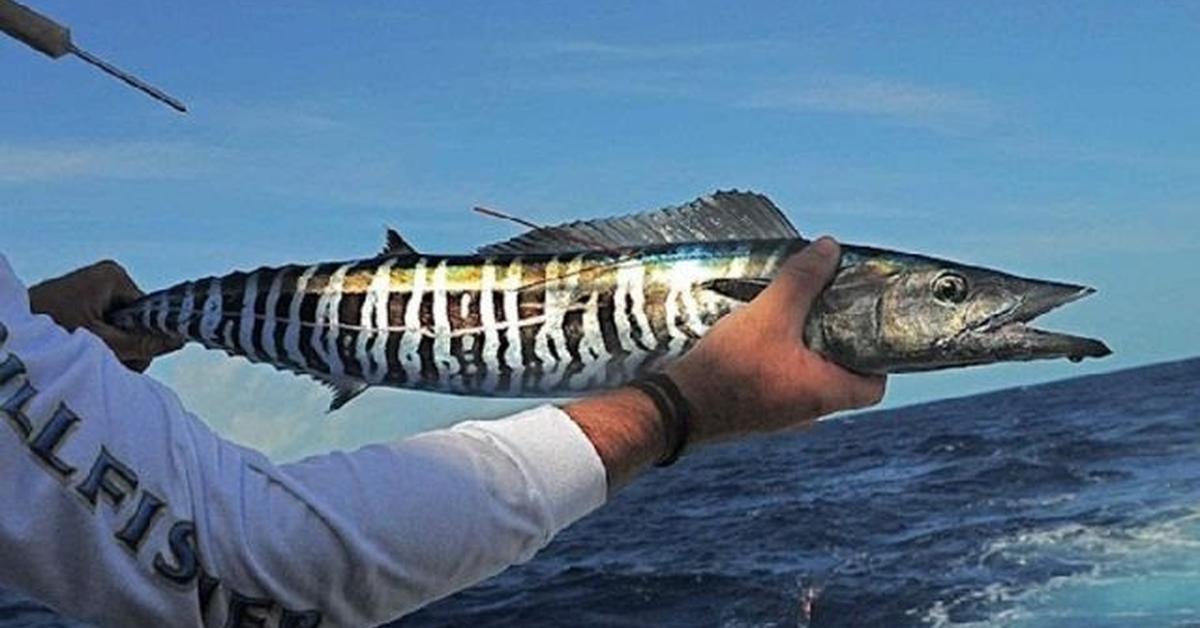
point(14, 409)
point(182, 542)
point(108, 476)
point(10, 368)
point(247, 612)
point(299, 619)
point(51, 436)
point(139, 524)
point(206, 585)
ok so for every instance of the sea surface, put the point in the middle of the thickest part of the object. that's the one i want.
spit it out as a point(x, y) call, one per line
point(1074, 503)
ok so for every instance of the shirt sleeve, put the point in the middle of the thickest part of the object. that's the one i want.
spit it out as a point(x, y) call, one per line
point(121, 508)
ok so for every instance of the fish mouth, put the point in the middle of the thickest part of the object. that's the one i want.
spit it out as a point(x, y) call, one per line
point(1007, 336)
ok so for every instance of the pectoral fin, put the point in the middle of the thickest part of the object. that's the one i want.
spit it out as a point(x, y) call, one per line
point(738, 289)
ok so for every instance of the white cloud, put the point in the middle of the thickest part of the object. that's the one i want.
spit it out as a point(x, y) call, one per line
point(35, 163)
point(284, 415)
point(288, 118)
point(896, 100)
point(690, 71)
point(643, 52)
point(947, 110)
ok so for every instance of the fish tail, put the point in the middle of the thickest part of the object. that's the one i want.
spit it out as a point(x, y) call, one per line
point(218, 312)
point(153, 313)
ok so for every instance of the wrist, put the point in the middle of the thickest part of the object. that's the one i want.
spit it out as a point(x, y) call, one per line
point(674, 413)
point(704, 396)
point(626, 430)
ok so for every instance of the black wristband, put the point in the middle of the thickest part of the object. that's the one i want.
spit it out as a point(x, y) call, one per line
point(675, 411)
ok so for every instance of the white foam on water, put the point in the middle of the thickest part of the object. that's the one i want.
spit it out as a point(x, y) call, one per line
point(1133, 576)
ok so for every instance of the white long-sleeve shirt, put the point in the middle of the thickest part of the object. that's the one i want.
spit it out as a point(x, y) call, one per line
point(120, 508)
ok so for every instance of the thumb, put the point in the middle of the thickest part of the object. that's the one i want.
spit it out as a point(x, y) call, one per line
point(802, 277)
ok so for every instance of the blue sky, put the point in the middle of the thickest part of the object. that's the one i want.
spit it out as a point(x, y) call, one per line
point(1052, 140)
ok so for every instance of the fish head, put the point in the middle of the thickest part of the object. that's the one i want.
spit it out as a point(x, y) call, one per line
point(887, 312)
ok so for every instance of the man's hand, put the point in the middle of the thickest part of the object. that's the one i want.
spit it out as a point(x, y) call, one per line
point(83, 298)
point(750, 373)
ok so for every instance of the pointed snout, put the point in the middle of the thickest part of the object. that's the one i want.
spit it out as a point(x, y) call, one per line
point(1039, 297)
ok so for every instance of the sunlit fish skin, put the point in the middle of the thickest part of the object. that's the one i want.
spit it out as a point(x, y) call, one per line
point(539, 316)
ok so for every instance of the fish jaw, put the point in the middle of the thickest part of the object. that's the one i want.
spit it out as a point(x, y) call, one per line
point(1020, 342)
point(1007, 337)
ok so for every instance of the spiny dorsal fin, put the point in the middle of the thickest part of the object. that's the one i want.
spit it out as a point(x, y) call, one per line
point(395, 244)
point(731, 215)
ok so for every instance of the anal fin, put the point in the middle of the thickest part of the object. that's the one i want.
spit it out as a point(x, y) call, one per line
point(343, 391)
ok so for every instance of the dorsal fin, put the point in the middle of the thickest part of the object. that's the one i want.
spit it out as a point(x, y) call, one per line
point(731, 215)
point(396, 245)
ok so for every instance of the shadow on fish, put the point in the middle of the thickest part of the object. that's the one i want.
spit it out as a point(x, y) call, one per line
point(589, 305)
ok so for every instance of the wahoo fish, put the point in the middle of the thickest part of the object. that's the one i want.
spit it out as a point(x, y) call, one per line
point(562, 310)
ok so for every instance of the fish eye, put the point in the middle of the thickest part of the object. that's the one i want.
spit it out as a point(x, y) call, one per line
point(950, 288)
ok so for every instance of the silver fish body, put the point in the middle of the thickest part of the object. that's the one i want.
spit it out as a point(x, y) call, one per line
point(538, 325)
point(517, 320)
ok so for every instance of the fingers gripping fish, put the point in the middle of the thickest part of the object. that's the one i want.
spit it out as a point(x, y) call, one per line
point(547, 314)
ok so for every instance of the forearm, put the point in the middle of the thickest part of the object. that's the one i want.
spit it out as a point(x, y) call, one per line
point(131, 511)
point(626, 430)
point(440, 511)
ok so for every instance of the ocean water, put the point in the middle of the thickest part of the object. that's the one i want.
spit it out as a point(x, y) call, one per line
point(1075, 503)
